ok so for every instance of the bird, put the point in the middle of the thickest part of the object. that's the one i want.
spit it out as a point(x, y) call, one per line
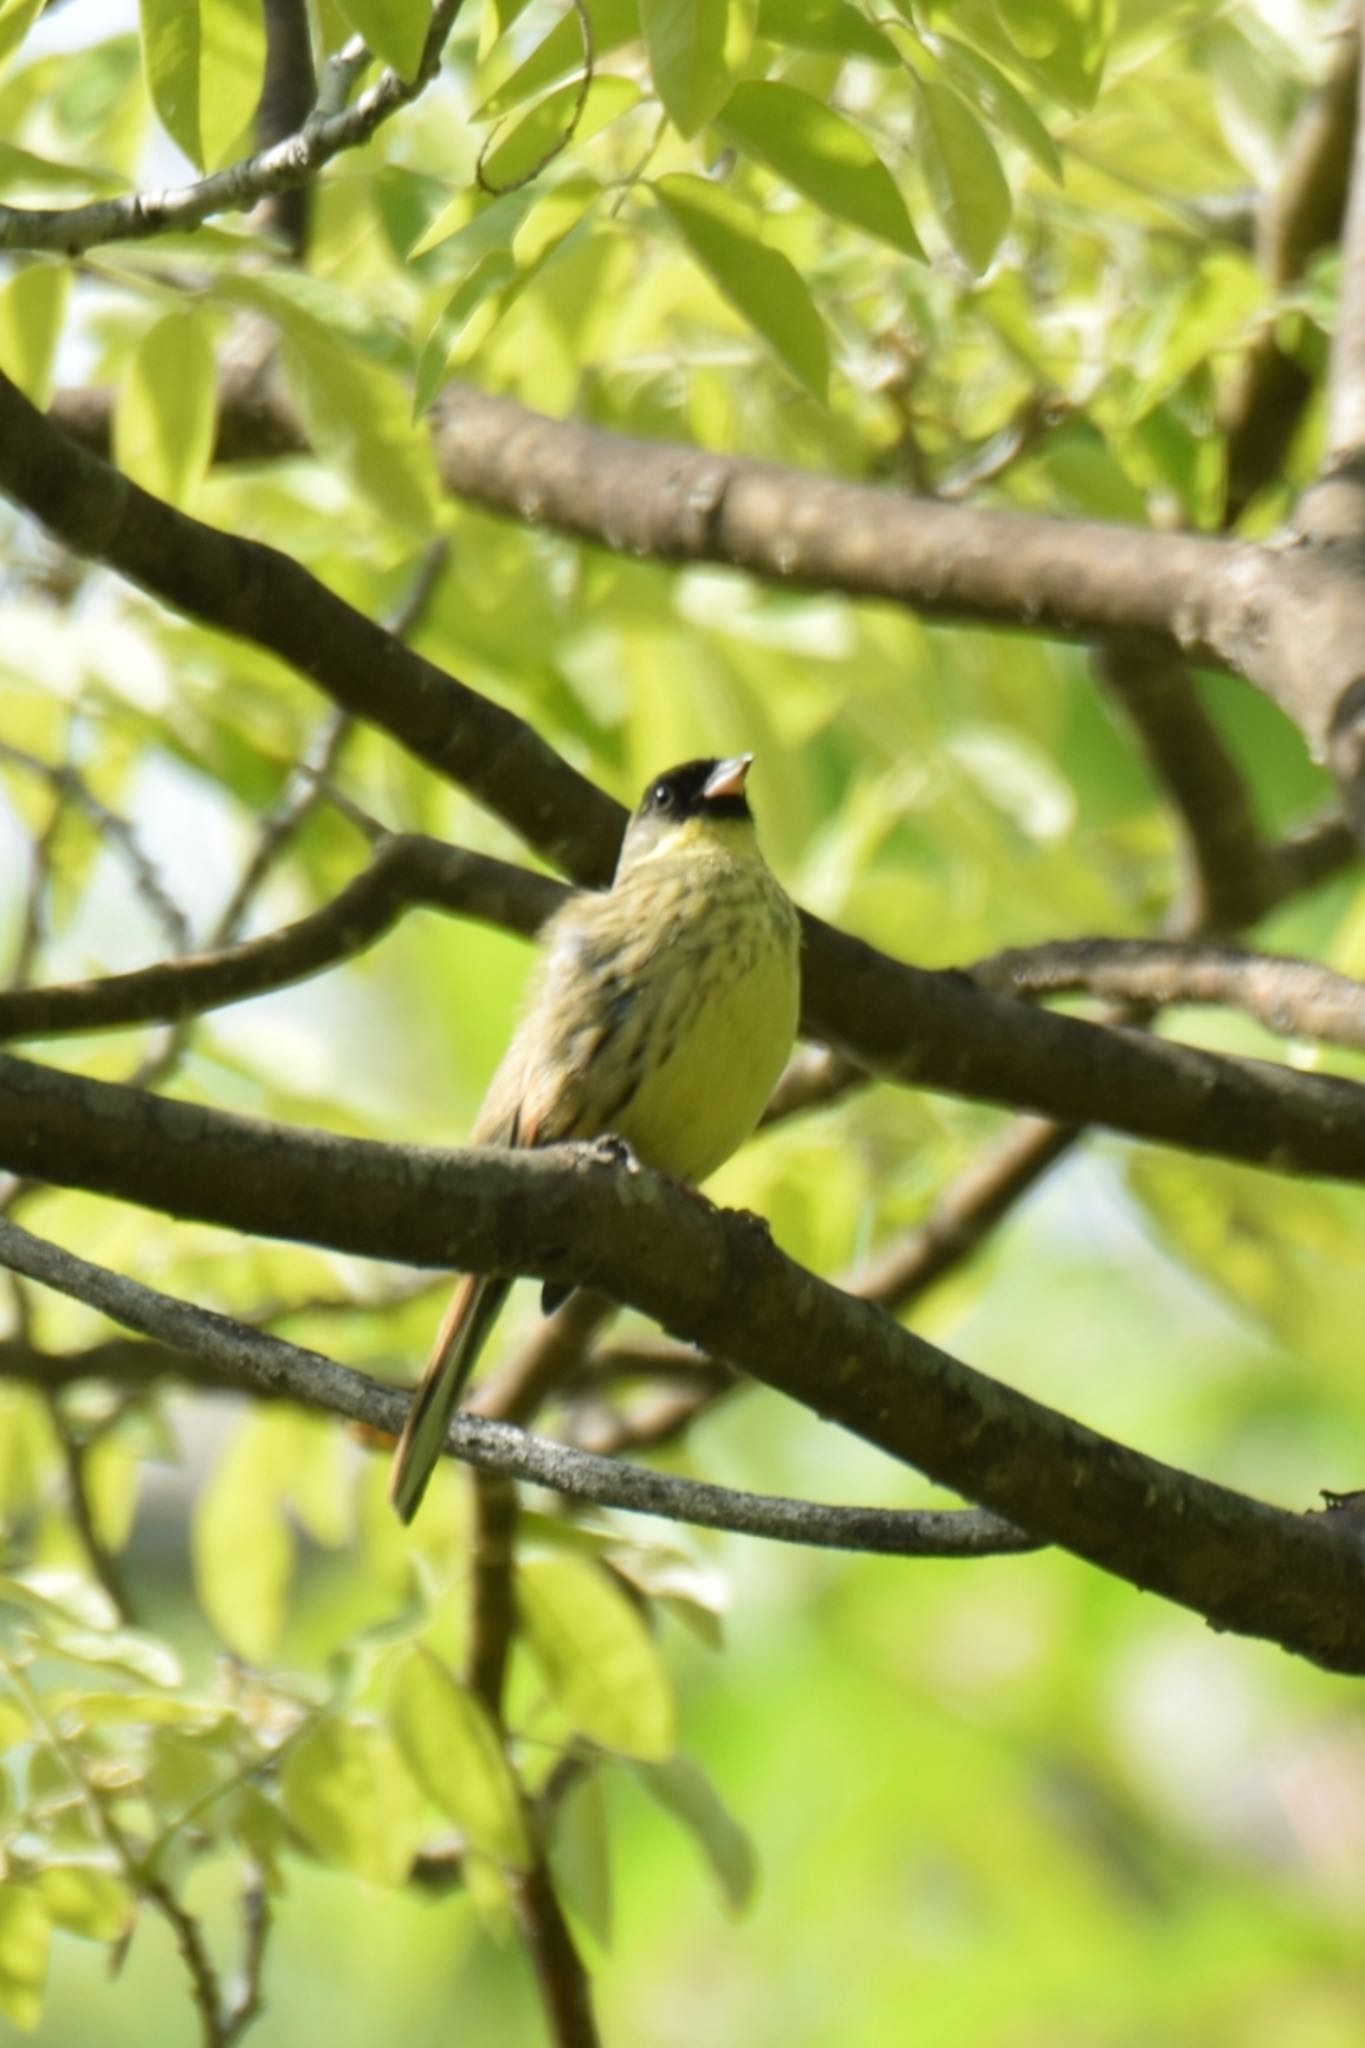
point(661, 1013)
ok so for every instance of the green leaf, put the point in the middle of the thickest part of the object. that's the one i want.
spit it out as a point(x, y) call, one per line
point(171, 54)
point(486, 232)
point(542, 130)
point(167, 409)
point(243, 1552)
point(580, 1854)
point(450, 1745)
point(15, 1726)
point(695, 48)
point(614, 22)
point(21, 167)
point(825, 25)
point(345, 1789)
point(759, 282)
point(963, 173)
point(599, 1658)
point(683, 1789)
point(205, 63)
point(54, 1595)
point(232, 73)
point(1000, 101)
point(16, 19)
point(396, 30)
point(1065, 42)
point(822, 155)
point(139, 1656)
point(86, 1901)
point(31, 308)
point(25, 1942)
point(489, 275)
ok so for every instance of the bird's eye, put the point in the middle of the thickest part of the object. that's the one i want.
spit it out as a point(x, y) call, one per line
point(661, 797)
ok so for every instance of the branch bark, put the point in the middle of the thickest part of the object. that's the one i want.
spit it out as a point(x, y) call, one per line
point(331, 128)
point(568, 1214)
point(1297, 998)
point(225, 1352)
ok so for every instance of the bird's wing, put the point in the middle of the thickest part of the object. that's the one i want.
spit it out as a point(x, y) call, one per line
point(542, 1091)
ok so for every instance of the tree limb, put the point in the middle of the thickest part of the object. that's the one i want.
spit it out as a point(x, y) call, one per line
point(331, 128)
point(569, 1214)
point(1346, 374)
point(1296, 998)
point(233, 1353)
point(1302, 215)
point(408, 871)
point(260, 594)
point(1230, 879)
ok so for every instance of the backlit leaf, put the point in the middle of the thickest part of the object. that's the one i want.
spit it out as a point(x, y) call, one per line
point(166, 413)
point(347, 1792)
point(822, 155)
point(600, 1660)
point(759, 282)
point(683, 1789)
point(396, 30)
point(25, 1941)
point(999, 100)
point(243, 1552)
point(205, 64)
point(963, 173)
point(86, 1901)
point(695, 48)
point(32, 305)
point(452, 1749)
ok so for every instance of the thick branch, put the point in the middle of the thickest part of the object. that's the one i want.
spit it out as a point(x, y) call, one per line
point(1296, 998)
point(1221, 603)
point(71, 230)
point(567, 1214)
point(246, 588)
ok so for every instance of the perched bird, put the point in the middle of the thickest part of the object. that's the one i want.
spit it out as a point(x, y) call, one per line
point(662, 1012)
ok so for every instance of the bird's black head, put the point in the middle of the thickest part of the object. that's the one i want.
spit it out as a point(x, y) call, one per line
point(710, 789)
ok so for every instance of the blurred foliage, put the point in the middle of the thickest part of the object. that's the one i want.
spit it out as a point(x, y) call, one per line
point(969, 247)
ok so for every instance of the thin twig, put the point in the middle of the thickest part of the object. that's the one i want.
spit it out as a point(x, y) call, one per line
point(331, 128)
point(142, 1878)
point(102, 1562)
point(1295, 998)
point(258, 1360)
point(120, 834)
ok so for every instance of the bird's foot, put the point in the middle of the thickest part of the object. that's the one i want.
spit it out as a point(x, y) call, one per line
point(751, 1219)
point(609, 1150)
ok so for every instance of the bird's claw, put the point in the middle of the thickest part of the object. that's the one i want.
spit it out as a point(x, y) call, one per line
point(753, 1221)
point(609, 1150)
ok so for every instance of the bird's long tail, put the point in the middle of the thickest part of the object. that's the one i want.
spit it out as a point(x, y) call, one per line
point(474, 1308)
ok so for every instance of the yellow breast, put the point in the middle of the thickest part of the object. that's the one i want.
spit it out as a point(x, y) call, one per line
point(716, 1018)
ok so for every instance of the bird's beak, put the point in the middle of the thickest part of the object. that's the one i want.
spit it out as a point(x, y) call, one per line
point(727, 778)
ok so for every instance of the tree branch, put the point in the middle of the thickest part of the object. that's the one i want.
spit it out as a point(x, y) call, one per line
point(1271, 391)
point(568, 1214)
point(1296, 998)
point(235, 1353)
point(1274, 617)
point(1346, 375)
point(1230, 879)
point(408, 872)
point(329, 129)
point(256, 592)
